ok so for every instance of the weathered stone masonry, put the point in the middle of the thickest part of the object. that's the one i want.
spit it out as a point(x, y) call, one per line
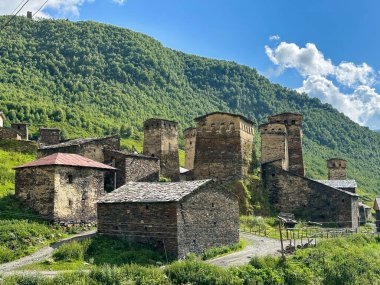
point(224, 144)
point(49, 136)
point(309, 199)
point(190, 135)
point(181, 217)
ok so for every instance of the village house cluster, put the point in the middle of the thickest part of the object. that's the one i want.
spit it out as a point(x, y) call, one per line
point(92, 180)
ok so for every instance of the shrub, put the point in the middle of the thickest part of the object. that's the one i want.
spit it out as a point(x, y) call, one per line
point(215, 251)
point(72, 251)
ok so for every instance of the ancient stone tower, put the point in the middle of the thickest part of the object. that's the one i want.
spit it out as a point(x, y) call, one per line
point(189, 136)
point(337, 169)
point(293, 123)
point(49, 136)
point(22, 129)
point(161, 140)
point(274, 144)
point(223, 148)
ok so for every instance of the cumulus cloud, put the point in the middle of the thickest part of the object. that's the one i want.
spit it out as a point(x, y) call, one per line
point(324, 80)
point(63, 7)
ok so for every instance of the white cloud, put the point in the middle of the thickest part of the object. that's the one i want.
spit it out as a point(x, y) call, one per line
point(63, 7)
point(324, 80)
point(120, 2)
point(274, 38)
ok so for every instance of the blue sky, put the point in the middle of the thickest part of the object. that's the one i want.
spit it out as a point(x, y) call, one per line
point(328, 49)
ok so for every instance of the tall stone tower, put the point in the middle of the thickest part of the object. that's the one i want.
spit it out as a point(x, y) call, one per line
point(189, 136)
point(223, 148)
point(274, 144)
point(337, 169)
point(22, 129)
point(49, 136)
point(293, 123)
point(161, 140)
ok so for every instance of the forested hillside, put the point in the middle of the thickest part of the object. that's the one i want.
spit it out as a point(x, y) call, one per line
point(93, 79)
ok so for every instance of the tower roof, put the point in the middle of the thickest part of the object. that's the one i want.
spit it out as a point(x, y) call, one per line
point(152, 120)
point(66, 159)
point(224, 113)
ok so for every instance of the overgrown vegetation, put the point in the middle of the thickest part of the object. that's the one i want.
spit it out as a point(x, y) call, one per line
point(344, 261)
point(94, 79)
point(222, 250)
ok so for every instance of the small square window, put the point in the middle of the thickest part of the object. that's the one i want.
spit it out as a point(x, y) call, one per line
point(70, 179)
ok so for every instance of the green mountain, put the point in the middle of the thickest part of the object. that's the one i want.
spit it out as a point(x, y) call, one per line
point(93, 79)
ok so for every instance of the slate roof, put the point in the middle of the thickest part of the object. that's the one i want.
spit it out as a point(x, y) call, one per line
point(153, 191)
point(74, 142)
point(66, 159)
point(339, 183)
point(376, 206)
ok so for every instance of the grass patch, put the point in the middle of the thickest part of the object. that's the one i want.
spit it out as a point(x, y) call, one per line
point(223, 250)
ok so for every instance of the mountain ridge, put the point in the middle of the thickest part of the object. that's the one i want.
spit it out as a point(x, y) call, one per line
point(96, 79)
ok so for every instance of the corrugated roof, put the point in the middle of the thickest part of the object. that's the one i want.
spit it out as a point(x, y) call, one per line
point(153, 191)
point(66, 159)
point(73, 142)
point(339, 183)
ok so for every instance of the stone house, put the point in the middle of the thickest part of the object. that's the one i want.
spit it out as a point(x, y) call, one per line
point(223, 147)
point(22, 129)
point(161, 141)
point(376, 207)
point(179, 217)
point(62, 187)
point(10, 134)
point(92, 148)
point(131, 167)
point(327, 201)
point(49, 136)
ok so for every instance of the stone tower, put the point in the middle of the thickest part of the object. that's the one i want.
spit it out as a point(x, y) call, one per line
point(49, 136)
point(189, 136)
point(161, 140)
point(293, 123)
point(22, 129)
point(274, 144)
point(223, 148)
point(337, 169)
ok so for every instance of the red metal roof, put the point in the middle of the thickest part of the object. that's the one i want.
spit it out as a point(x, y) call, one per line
point(67, 159)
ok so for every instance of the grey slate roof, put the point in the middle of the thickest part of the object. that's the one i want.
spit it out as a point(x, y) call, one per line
point(339, 183)
point(153, 191)
point(73, 142)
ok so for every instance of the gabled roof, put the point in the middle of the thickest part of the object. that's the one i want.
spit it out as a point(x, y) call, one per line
point(364, 205)
point(376, 206)
point(66, 159)
point(74, 142)
point(339, 183)
point(225, 113)
point(153, 191)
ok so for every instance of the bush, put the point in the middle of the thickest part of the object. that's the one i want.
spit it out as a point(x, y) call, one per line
point(215, 251)
point(200, 273)
point(72, 251)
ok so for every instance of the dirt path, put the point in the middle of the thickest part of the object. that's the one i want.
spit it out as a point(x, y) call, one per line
point(257, 246)
point(41, 254)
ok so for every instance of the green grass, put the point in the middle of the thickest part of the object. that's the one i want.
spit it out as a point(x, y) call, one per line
point(223, 250)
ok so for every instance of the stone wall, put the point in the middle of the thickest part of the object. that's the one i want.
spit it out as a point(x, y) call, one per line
point(207, 218)
point(189, 136)
point(161, 141)
point(22, 129)
point(61, 194)
point(6, 133)
point(224, 145)
point(132, 167)
point(34, 187)
point(93, 149)
point(308, 199)
point(77, 191)
point(337, 169)
point(293, 123)
point(49, 136)
point(153, 224)
point(377, 221)
point(274, 144)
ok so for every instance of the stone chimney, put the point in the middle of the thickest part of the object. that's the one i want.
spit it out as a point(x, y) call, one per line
point(29, 15)
point(337, 169)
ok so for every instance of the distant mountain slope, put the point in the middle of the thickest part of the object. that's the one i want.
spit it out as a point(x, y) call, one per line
point(93, 79)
